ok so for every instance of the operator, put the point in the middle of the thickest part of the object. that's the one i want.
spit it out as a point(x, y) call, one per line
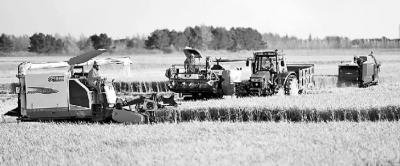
point(189, 64)
point(93, 76)
point(354, 60)
point(271, 67)
point(272, 70)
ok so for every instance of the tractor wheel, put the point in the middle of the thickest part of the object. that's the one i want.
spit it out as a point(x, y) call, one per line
point(219, 94)
point(291, 86)
point(280, 92)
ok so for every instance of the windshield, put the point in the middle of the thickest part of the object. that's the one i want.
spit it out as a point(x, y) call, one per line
point(265, 63)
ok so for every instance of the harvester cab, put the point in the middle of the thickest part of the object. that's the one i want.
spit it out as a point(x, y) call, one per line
point(202, 80)
point(67, 95)
point(363, 71)
point(271, 74)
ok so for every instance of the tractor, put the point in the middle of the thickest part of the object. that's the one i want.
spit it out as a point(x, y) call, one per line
point(271, 74)
point(67, 96)
point(206, 80)
point(363, 71)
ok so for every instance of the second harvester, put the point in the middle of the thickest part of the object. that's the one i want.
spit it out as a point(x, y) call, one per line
point(363, 71)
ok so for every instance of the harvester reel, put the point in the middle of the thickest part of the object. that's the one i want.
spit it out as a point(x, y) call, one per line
point(291, 86)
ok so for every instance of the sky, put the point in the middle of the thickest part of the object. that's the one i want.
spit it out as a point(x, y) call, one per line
point(128, 18)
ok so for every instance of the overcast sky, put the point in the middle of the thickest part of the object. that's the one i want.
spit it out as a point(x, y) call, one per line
point(127, 18)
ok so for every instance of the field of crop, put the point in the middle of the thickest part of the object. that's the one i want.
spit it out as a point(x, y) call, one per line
point(201, 143)
point(334, 126)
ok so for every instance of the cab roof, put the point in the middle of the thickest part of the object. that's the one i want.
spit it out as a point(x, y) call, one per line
point(188, 51)
point(267, 52)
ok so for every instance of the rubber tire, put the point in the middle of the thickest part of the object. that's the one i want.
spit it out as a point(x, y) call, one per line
point(291, 86)
point(280, 92)
point(220, 94)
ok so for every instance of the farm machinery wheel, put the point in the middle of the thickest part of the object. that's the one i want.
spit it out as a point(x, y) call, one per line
point(280, 92)
point(220, 94)
point(291, 86)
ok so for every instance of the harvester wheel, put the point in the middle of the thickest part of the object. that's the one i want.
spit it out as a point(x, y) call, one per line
point(291, 86)
point(280, 92)
point(220, 94)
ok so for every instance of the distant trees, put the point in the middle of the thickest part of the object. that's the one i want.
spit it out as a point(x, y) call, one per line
point(158, 39)
point(6, 44)
point(200, 37)
point(222, 39)
point(246, 39)
point(101, 41)
point(70, 45)
point(20, 43)
point(84, 44)
point(206, 37)
point(328, 42)
point(40, 43)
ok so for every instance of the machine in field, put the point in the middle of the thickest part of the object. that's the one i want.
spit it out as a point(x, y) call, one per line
point(67, 96)
point(272, 74)
point(363, 71)
point(203, 80)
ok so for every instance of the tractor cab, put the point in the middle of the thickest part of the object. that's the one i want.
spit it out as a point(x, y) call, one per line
point(262, 61)
point(266, 67)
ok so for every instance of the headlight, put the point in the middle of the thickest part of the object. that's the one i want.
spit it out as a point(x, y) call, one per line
point(256, 80)
point(256, 84)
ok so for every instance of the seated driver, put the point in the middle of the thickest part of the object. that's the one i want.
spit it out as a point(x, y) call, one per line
point(93, 76)
point(189, 64)
point(271, 68)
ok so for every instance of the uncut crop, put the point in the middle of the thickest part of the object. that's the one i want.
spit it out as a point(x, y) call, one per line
point(341, 104)
point(348, 104)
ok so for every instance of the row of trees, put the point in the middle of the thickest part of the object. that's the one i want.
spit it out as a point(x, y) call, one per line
point(206, 38)
point(329, 42)
point(200, 37)
point(49, 44)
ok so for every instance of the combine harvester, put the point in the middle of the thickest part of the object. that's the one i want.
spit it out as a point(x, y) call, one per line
point(207, 80)
point(290, 79)
point(363, 71)
point(213, 81)
point(66, 95)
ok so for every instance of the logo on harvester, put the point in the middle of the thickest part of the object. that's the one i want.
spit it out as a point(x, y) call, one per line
point(41, 90)
point(56, 78)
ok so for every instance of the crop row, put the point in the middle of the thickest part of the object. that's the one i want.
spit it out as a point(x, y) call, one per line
point(344, 104)
point(358, 105)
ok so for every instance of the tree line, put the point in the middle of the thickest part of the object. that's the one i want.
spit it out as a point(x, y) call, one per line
point(48, 44)
point(199, 37)
point(206, 38)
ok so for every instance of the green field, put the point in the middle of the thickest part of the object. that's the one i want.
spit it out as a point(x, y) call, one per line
point(333, 126)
